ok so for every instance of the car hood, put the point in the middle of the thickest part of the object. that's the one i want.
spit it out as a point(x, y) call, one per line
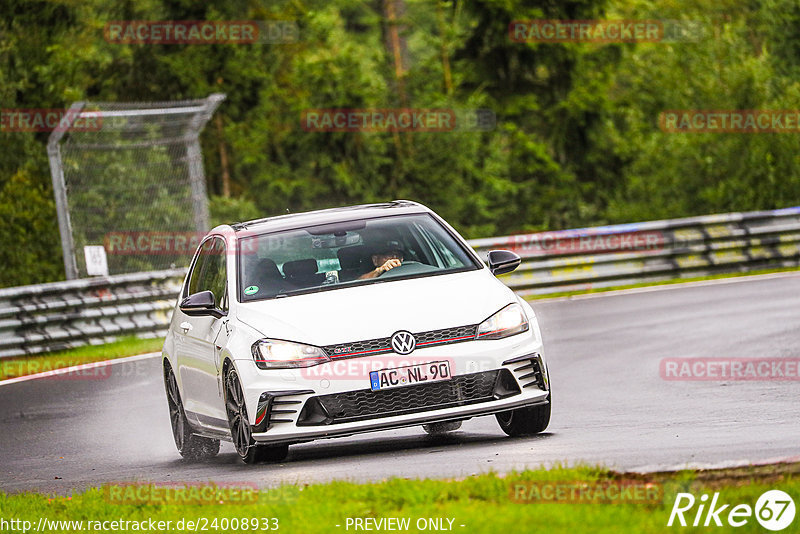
point(380, 309)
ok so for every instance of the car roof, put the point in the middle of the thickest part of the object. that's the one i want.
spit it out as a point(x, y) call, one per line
point(325, 216)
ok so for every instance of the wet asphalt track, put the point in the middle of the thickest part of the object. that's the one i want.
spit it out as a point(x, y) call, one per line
point(611, 406)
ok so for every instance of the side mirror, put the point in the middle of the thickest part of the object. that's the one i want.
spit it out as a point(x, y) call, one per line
point(503, 261)
point(199, 304)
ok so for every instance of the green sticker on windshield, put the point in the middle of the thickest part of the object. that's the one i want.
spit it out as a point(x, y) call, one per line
point(251, 290)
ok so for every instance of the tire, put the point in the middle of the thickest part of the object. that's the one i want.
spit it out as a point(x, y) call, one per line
point(241, 433)
point(525, 421)
point(189, 445)
point(438, 429)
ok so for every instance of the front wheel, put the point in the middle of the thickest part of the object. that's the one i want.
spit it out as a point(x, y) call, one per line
point(241, 434)
point(525, 421)
point(190, 445)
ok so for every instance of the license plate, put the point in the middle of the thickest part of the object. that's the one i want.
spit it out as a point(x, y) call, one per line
point(409, 374)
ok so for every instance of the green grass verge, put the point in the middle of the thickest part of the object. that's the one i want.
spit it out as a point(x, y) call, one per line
point(659, 283)
point(128, 346)
point(482, 503)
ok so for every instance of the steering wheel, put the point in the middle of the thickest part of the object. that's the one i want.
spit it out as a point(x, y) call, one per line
point(408, 267)
point(402, 266)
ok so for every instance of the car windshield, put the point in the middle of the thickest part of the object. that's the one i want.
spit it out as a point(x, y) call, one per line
point(347, 253)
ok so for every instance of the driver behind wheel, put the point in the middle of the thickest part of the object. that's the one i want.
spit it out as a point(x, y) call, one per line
point(385, 258)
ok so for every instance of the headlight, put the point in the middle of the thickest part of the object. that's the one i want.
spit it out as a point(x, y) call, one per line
point(277, 354)
point(507, 322)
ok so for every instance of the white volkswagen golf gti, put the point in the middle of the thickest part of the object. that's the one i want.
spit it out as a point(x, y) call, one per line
point(341, 321)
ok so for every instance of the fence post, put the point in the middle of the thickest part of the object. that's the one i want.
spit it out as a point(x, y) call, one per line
point(60, 190)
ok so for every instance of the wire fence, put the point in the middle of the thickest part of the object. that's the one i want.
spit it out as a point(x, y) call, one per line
point(137, 171)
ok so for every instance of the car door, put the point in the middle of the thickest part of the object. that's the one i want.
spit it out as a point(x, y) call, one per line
point(197, 353)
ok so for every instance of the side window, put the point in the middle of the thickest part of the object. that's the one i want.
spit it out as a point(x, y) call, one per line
point(194, 277)
point(217, 275)
point(209, 271)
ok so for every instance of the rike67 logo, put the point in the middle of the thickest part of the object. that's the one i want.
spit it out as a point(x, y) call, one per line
point(774, 510)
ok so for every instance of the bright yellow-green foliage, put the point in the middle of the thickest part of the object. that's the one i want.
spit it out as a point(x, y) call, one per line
point(481, 503)
point(128, 346)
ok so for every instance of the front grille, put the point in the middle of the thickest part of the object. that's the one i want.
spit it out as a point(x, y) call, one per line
point(359, 348)
point(447, 335)
point(367, 404)
point(383, 345)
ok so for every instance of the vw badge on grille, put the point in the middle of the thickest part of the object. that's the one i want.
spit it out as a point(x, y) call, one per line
point(403, 342)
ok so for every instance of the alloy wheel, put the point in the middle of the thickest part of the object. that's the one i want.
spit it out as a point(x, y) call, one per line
point(237, 414)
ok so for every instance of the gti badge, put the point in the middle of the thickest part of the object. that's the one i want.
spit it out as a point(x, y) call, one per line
point(403, 342)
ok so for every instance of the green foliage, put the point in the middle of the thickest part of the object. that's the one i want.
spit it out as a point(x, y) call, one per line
point(226, 210)
point(668, 174)
point(29, 241)
point(577, 141)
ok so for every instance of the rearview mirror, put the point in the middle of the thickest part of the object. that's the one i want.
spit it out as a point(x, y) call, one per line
point(199, 304)
point(503, 261)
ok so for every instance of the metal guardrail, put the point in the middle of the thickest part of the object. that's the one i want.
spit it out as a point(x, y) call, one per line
point(61, 315)
point(652, 251)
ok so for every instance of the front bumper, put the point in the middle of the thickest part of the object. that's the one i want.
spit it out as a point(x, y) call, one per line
point(334, 399)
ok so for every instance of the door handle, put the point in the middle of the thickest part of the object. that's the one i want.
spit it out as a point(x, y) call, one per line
point(186, 326)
